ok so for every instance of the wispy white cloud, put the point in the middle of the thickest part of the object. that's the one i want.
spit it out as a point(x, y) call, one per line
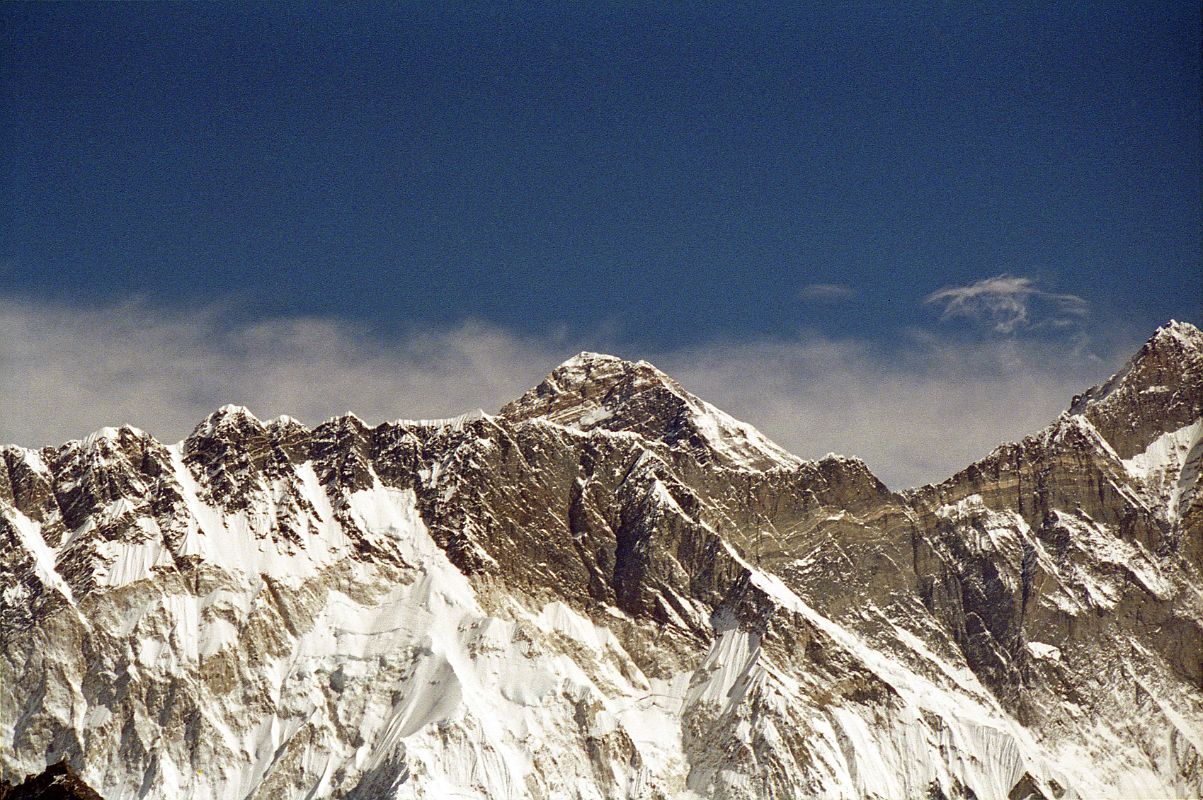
point(66, 371)
point(827, 291)
point(915, 413)
point(1008, 302)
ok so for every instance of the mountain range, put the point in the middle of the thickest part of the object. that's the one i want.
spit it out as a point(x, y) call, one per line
point(609, 589)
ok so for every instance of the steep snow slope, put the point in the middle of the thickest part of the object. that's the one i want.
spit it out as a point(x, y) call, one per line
point(609, 590)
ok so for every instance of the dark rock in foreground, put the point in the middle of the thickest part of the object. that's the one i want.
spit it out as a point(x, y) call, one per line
point(56, 782)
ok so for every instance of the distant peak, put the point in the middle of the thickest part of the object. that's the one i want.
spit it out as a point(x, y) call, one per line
point(1157, 391)
point(586, 357)
point(226, 417)
point(104, 434)
point(285, 421)
point(587, 365)
point(841, 459)
point(231, 410)
point(578, 386)
point(1182, 333)
point(110, 435)
point(593, 391)
point(588, 378)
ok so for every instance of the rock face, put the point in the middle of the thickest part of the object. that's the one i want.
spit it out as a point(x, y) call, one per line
point(610, 589)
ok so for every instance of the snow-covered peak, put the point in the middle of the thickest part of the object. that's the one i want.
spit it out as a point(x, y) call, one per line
point(841, 459)
point(588, 360)
point(1180, 343)
point(285, 421)
point(105, 434)
point(1159, 390)
point(1181, 333)
point(227, 417)
point(102, 437)
point(580, 391)
point(586, 372)
point(595, 391)
point(346, 420)
point(453, 423)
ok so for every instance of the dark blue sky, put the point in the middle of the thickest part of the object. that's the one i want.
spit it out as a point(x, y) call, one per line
point(671, 177)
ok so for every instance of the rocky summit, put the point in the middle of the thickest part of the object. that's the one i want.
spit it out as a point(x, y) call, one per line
point(610, 589)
